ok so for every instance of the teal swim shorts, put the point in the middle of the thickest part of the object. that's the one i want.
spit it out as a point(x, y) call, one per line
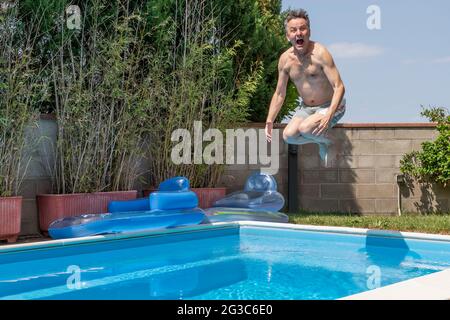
point(304, 111)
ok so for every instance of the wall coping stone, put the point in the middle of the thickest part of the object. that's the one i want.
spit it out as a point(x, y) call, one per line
point(368, 125)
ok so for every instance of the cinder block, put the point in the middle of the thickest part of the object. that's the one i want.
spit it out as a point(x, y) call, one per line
point(28, 189)
point(358, 147)
point(386, 161)
point(365, 206)
point(424, 205)
point(413, 189)
point(366, 161)
point(29, 221)
point(386, 175)
point(440, 191)
point(338, 191)
point(356, 175)
point(393, 147)
point(48, 128)
point(423, 190)
point(376, 134)
point(347, 162)
point(397, 160)
point(386, 206)
point(344, 147)
point(281, 178)
point(309, 162)
point(309, 191)
point(44, 186)
point(319, 206)
point(320, 176)
point(416, 133)
point(345, 133)
point(37, 169)
point(283, 161)
point(234, 179)
point(375, 191)
point(308, 149)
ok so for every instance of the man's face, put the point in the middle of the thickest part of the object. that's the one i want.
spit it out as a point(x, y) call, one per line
point(298, 33)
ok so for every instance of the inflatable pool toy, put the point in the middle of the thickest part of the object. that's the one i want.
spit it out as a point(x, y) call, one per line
point(179, 197)
point(259, 201)
point(142, 204)
point(260, 193)
point(173, 205)
point(219, 214)
point(120, 222)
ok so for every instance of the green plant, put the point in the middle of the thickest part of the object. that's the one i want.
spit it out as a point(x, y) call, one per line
point(433, 223)
point(97, 78)
point(136, 71)
point(20, 93)
point(432, 163)
point(194, 76)
point(259, 24)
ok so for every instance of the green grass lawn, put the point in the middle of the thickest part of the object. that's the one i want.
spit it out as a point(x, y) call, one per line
point(439, 224)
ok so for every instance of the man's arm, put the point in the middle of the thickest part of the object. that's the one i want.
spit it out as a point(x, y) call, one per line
point(332, 73)
point(280, 92)
point(333, 76)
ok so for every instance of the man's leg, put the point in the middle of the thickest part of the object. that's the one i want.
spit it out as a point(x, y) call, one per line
point(291, 135)
point(307, 126)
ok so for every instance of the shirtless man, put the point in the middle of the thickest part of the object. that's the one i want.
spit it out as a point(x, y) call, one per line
point(311, 68)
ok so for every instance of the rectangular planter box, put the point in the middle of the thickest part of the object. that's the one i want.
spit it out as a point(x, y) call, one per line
point(56, 206)
point(10, 216)
point(206, 196)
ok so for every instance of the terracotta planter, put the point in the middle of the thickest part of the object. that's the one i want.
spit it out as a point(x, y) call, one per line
point(56, 206)
point(10, 216)
point(206, 196)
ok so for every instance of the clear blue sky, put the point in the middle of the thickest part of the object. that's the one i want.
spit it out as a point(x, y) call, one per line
point(388, 73)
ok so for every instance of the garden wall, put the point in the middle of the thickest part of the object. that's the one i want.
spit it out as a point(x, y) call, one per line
point(361, 179)
point(362, 174)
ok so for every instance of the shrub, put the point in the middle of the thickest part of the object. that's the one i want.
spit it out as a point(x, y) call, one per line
point(432, 163)
point(136, 71)
point(202, 81)
point(20, 92)
point(96, 75)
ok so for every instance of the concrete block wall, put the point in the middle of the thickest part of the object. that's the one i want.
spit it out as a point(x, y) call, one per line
point(38, 178)
point(361, 176)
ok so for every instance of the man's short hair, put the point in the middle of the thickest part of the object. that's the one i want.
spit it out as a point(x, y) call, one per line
point(296, 14)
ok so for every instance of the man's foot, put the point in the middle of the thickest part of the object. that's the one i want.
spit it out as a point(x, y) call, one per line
point(323, 153)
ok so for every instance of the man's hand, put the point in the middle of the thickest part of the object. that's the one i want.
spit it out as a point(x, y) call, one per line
point(269, 127)
point(324, 123)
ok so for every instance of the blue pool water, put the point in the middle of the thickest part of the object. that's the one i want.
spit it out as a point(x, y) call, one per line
point(224, 263)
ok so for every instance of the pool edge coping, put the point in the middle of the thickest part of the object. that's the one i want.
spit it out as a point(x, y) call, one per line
point(231, 224)
point(433, 286)
point(350, 230)
point(110, 237)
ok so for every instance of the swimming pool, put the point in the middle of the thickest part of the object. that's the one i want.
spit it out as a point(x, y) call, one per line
point(226, 261)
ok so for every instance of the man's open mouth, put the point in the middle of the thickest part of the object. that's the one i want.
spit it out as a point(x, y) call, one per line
point(300, 41)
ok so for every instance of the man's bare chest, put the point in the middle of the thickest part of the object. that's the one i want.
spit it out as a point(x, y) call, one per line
point(306, 71)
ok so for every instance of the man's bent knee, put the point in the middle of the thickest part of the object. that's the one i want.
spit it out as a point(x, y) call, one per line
point(290, 133)
point(304, 128)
